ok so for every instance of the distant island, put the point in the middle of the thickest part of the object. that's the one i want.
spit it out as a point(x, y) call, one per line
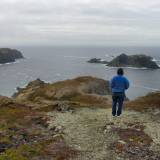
point(97, 60)
point(138, 61)
point(123, 60)
point(8, 55)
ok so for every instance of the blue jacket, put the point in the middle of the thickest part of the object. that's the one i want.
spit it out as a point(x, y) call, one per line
point(119, 84)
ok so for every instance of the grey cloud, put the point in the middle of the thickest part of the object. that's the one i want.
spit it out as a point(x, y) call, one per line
point(48, 22)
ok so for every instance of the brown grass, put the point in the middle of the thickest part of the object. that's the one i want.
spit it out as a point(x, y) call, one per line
point(90, 99)
point(63, 90)
point(150, 101)
point(25, 135)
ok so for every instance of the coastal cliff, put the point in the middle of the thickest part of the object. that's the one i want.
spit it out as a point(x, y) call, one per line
point(9, 55)
point(71, 120)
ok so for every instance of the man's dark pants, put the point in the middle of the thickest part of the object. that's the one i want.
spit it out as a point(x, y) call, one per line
point(117, 98)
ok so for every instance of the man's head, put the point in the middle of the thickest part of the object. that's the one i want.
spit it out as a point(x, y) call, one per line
point(120, 72)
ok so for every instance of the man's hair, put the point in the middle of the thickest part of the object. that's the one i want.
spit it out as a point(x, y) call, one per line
point(120, 71)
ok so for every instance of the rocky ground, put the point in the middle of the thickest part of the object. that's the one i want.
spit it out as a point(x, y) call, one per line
point(71, 120)
point(98, 136)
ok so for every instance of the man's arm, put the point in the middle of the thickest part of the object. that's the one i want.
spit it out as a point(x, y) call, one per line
point(112, 83)
point(126, 83)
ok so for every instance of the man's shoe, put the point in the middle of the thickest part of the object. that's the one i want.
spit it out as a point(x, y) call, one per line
point(113, 115)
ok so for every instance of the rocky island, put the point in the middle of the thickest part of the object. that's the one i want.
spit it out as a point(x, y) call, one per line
point(139, 61)
point(97, 60)
point(71, 120)
point(123, 60)
point(9, 55)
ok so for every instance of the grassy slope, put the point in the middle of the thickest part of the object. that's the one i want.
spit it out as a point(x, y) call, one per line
point(150, 101)
point(25, 135)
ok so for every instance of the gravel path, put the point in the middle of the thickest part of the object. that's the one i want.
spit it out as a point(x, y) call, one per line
point(84, 130)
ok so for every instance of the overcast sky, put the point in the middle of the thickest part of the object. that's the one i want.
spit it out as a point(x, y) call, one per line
point(79, 22)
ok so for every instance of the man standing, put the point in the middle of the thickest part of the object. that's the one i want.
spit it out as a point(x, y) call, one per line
point(118, 85)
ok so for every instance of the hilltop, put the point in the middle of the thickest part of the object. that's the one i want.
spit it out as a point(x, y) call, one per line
point(71, 120)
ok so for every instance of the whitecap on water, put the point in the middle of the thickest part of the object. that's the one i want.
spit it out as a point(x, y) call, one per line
point(135, 68)
point(76, 57)
point(155, 60)
point(58, 74)
point(145, 87)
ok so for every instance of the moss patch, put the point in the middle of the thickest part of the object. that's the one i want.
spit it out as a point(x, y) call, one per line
point(133, 142)
point(51, 148)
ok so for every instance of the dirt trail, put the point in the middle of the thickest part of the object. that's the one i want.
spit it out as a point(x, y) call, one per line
point(85, 130)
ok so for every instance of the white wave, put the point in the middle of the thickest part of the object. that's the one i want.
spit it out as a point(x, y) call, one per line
point(155, 60)
point(15, 62)
point(9, 63)
point(58, 74)
point(135, 68)
point(145, 87)
point(77, 57)
point(102, 60)
point(108, 55)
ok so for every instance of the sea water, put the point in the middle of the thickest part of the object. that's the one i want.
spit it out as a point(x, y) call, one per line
point(53, 64)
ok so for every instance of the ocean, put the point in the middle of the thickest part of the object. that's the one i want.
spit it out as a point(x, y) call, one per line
point(53, 64)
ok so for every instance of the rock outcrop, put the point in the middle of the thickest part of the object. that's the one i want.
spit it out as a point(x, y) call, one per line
point(97, 60)
point(81, 91)
point(9, 55)
point(139, 61)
